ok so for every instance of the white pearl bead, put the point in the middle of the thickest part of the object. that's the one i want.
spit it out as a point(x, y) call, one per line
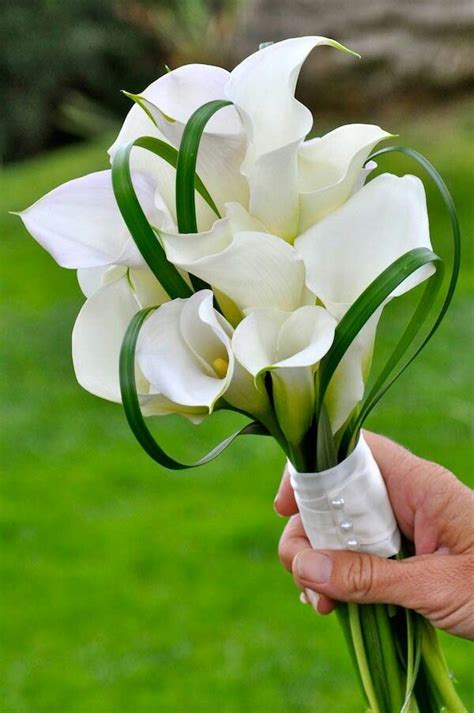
point(346, 525)
point(352, 544)
point(337, 503)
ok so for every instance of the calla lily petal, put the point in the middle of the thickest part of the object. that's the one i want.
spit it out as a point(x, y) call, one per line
point(272, 339)
point(97, 338)
point(329, 166)
point(348, 249)
point(91, 279)
point(158, 405)
point(184, 351)
point(262, 88)
point(177, 94)
point(146, 287)
point(305, 337)
point(347, 386)
point(252, 269)
point(80, 225)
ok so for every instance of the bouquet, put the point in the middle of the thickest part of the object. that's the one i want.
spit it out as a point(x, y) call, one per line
point(229, 262)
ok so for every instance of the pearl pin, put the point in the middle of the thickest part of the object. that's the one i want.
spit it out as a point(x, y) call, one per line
point(346, 525)
point(352, 544)
point(337, 503)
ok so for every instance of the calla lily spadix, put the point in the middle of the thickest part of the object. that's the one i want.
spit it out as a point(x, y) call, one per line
point(230, 260)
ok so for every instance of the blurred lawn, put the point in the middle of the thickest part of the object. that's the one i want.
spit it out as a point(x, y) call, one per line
point(128, 588)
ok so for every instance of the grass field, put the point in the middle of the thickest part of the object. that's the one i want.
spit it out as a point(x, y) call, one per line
point(125, 588)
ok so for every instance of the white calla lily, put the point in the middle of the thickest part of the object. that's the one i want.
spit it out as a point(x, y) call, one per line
point(262, 88)
point(80, 225)
point(184, 351)
point(348, 249)
point(289, 346)
point(329, 168)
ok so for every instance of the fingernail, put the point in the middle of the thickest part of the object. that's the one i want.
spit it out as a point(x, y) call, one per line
point(275, 506)
point(313, 566)
point(303, 598)
point(312, 598)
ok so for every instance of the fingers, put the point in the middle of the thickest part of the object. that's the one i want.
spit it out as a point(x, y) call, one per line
point(427, 499)
point(438, 586)
point(284, 503)
point(292, 542)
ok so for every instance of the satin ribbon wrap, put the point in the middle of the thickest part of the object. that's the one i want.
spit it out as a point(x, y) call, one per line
point(347, 507)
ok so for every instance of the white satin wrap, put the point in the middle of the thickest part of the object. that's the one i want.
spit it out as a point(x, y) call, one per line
point(347, 507)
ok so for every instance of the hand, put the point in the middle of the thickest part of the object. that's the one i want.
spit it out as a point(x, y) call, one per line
point(433, 509)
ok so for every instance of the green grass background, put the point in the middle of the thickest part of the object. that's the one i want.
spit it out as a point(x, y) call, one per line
point(128, 588)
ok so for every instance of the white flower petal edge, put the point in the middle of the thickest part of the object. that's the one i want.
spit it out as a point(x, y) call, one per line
point(347, 386)
point(252, 269)
point(329, 167)
point(184, 351)
point(289, 346)
point(262, 89)
point(91, 279)
point(80, 225)
point(347, 250)
point(97, 338)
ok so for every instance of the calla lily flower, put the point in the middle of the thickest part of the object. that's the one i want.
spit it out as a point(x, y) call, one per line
point(347, 250)
point(289, 346)
point(184, 351)
point(262, 89)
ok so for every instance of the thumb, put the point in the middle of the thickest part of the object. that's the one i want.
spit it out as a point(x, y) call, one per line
point(428, 583)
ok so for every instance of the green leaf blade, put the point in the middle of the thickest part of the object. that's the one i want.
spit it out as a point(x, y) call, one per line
point(137, 223)
point(186, 166)
point(366, 305)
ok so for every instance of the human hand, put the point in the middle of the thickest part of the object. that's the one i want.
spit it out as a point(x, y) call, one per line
point(434, 510)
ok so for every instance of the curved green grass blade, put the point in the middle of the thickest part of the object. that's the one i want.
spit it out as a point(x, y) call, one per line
point(135, 219)
point(186, 166)
point(186, 173)
point(365, 306)
point(133, 412)
point(385, 380)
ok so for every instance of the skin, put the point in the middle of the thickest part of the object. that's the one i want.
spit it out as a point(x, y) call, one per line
point(434, 510)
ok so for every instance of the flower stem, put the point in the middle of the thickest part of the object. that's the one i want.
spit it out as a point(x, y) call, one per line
point(361, 657)
point(434, 671)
